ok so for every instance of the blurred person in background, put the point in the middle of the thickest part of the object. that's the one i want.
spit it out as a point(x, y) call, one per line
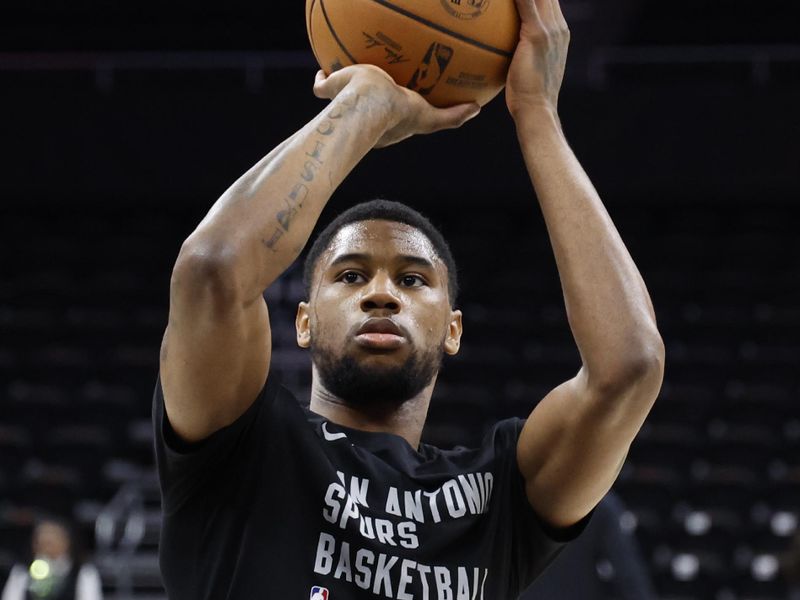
point(604, 562)
point(56, 569)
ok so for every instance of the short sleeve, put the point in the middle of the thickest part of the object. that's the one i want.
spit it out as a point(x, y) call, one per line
point(186, 468)
point(533, 543)
point(89, 585)
point(16, 584)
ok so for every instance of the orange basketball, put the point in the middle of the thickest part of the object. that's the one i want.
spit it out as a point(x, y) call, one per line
point(450, 51)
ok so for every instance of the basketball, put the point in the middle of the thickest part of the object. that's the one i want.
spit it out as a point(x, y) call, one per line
point(450, 51)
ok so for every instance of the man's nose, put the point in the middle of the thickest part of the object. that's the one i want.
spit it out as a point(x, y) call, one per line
point(381, 293)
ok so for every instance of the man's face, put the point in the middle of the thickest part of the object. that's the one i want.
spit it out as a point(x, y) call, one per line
point(50, 540)
point(379, 318)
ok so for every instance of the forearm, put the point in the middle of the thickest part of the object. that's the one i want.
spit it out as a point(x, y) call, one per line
point(608, 306)
point(259, 226)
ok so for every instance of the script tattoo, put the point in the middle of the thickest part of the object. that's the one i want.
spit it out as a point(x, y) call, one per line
point(315, 159)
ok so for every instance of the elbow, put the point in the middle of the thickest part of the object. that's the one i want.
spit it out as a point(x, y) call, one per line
point(207, 270)
point(647, 373)
point(636, 373)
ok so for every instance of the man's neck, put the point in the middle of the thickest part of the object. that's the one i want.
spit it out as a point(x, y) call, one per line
point(407, 420)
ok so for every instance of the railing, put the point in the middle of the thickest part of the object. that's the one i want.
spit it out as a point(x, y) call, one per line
point(119, 531)
point(127, 532)
point(758, 59)
point(106, 65)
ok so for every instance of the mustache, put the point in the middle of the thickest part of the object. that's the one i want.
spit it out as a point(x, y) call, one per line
point(371, 387)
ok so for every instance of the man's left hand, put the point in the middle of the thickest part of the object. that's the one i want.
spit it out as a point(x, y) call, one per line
point(537, 69)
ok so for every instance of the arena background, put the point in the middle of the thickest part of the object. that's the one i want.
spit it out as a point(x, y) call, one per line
point(122, 123)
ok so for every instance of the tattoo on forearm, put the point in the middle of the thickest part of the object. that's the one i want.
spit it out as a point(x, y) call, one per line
point(293, 201)
point(315, 154)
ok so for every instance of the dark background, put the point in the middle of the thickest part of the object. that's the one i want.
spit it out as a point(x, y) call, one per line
point(122, 123)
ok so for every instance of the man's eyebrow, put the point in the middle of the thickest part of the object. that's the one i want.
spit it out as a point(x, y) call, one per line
point(417, 260)
point(360, 257)
point(350, 257)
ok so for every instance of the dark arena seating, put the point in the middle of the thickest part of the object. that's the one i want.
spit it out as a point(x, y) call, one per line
point(113, 155)
point(712, 482)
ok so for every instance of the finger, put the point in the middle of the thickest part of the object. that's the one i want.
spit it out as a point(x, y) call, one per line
point(562, 21)
point(559, 26)
point(545, 8)
point(451, 117)
point(329, 86)
point(528, 11)
point(319, 83)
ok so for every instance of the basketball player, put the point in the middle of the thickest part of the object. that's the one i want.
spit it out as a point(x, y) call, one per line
point(265, 499)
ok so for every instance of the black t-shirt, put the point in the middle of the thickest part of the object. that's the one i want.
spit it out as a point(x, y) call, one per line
point(284, 505)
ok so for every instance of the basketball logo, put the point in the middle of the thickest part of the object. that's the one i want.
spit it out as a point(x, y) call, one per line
point(319, 593)
point(465, 9)
point(431, 69)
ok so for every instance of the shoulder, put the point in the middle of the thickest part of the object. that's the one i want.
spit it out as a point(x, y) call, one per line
point(88, 571)
point(498, 441)
point(217, 462)
point(18, 570)
point(505, 433)
point(16, 583)
point(89, 585)
point(273, 401)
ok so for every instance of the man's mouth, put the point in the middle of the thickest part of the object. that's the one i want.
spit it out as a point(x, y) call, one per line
point(380, 333)
point(384, 341)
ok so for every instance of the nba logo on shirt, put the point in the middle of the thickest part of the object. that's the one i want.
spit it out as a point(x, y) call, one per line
point(319, 593)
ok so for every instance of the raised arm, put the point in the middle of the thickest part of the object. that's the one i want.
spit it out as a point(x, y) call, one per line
point(573, 445)
point(216, 350)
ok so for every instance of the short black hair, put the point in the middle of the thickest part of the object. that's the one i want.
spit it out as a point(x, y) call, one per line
point(77, 538)
point(384, 210)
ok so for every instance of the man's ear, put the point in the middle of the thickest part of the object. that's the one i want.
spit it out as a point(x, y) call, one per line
point(302, 324)
point(452, 342)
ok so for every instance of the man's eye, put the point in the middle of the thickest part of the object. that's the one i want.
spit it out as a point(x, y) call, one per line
point(412, 281)
point(349, 277)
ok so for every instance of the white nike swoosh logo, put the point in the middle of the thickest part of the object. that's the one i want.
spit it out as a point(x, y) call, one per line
point(331, 436)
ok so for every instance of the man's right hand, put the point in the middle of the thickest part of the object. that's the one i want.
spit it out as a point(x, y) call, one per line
point(409, 113)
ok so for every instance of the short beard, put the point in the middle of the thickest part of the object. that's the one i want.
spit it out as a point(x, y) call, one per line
point(364, 387)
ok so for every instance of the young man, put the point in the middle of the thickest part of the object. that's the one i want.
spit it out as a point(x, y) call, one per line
point(265, 499)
